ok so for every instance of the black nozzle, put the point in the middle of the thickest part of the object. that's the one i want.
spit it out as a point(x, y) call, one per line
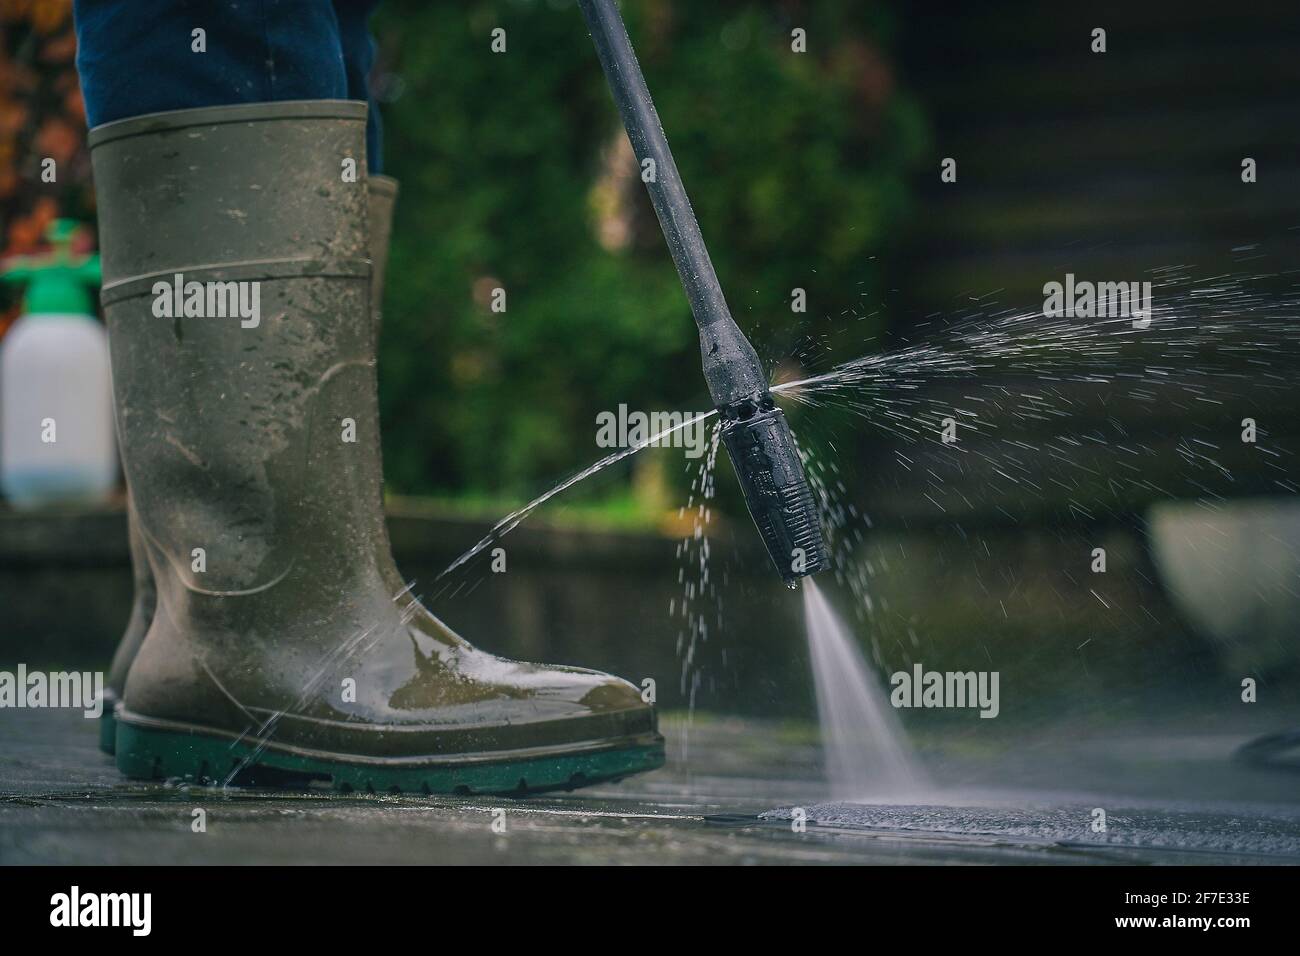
point(763, 452)
point(755, 431)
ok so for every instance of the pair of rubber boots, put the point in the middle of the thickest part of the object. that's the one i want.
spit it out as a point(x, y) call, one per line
point(272, 637)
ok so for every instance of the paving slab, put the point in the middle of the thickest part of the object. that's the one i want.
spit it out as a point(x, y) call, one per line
point(728, 795)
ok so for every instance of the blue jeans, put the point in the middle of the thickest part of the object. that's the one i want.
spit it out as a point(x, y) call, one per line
point(136, 56)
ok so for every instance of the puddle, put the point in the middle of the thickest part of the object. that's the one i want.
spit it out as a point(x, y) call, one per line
point(1267, 832)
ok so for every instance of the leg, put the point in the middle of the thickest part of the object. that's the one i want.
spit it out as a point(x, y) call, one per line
point(249, 56)
point(358, 60)
point(142, 56)
point(297, 645)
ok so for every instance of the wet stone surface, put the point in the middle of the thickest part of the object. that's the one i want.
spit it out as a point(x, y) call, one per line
point(730, 800)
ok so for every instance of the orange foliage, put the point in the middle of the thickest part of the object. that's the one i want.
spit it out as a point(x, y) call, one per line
point(42, 117)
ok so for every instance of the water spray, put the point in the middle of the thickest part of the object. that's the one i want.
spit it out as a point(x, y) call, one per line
point(754, 430)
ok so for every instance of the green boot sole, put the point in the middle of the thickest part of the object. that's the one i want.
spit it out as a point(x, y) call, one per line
point(152, 753)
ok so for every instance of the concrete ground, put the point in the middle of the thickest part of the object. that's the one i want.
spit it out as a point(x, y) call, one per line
point(730, 799)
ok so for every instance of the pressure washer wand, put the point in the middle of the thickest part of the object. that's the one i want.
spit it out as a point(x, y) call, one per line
point(754, 429)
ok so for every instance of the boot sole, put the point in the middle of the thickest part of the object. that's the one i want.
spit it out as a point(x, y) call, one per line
point(190, 754)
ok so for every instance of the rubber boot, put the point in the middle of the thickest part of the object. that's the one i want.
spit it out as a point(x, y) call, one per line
point(383, 195)
point(142, 608)
point(285, 647)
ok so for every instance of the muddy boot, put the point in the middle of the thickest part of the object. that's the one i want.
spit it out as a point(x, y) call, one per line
point(142, 607)
point(285, 646)
point(383, 195)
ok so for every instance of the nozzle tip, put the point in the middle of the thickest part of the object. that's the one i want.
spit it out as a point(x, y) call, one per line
point(763, 452)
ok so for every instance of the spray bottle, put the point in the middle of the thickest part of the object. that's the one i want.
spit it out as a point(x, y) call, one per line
point(57, 442)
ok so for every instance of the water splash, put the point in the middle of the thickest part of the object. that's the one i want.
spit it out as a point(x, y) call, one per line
point(1205, 339)
point(1209, 343)
point(1204, 336)
point(512, 520)
point(867, 755)
point(700, 601)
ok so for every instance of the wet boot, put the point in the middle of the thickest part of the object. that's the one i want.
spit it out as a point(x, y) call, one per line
point(383, 195)
point(284, 645)
point(142, 607)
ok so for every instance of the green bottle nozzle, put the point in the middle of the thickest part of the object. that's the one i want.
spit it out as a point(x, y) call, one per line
point(58, 281)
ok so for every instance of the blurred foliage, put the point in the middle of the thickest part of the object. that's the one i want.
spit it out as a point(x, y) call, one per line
point(516, 174)
point(41, 117)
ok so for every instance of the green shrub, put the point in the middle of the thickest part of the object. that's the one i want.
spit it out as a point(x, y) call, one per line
point(796, 164)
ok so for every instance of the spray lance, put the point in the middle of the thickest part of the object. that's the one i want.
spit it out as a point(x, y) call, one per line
point(754, 429)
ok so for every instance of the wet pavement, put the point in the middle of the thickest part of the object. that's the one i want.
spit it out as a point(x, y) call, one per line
point(730, 794)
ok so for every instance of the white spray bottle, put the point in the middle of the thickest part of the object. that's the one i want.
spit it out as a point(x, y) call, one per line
point(57, 444)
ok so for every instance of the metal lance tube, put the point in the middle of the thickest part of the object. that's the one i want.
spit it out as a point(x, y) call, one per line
point(754, 430)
